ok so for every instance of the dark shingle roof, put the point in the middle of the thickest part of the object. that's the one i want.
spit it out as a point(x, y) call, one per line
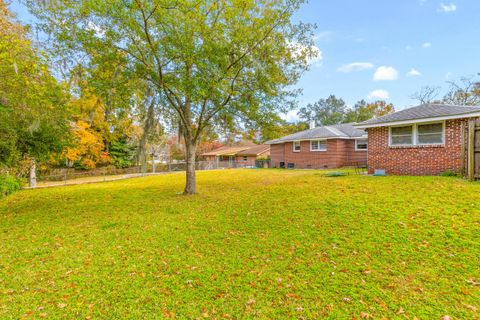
point(346, 130)
point(255, 151)
point(423, 111)
point(225, 151)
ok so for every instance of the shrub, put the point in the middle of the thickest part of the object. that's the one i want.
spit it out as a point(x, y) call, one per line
point(8, 185)
point(335, 174)
point(450, 173)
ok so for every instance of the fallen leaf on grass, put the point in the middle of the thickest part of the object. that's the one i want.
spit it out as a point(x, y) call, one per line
point(292, 295)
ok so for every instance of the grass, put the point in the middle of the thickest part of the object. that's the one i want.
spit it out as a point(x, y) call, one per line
point(253, 244)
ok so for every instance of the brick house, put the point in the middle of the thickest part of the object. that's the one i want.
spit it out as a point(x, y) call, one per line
point(244, 156)
point(423, 140)
point(249, 156)
point(322, 147)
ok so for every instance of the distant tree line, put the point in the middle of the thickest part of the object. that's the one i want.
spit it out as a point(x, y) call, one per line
point(333, 110)
point(463, 92)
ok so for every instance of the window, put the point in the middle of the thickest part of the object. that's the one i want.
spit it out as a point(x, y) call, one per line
point(245, 158)
point(431, 133)
point(417, 134)
point(401, 136)
point(361, 144)
point(318, 145)
point(296, 146)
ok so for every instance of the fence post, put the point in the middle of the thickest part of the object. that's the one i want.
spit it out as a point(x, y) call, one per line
point(65, 176)
point(463, 151)
point(104, 174)
point(33, 174)
point(471, 150)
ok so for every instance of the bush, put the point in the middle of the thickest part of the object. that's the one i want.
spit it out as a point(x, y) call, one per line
point(335, 174)
point(8, 185)
point(450, 173)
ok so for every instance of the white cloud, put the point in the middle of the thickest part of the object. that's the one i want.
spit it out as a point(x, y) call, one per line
point(99, 32)
point(385, 73)
point(317, 61)
point(324, 35)
point(298, 50)
point(355, 66)
point(426, 45)
point(448, 7)
point(414, 73)
point(378, 94)
point(291, 116)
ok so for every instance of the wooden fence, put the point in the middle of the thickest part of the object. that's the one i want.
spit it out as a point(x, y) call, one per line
point(471, 150)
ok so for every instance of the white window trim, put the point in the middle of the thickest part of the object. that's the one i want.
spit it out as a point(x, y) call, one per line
point(319, 150)
point(293, 145)
point(415, 142)
point(356, 143)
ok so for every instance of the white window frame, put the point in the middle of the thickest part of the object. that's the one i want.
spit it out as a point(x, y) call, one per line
point(319, 150)
point(299, 146)
point(356, 144)
point(415, 142)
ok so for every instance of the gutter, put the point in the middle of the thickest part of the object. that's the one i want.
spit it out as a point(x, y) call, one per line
point(418, 120)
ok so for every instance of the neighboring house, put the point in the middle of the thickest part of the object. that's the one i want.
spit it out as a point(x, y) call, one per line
point(243, 155)
point(423, 140)
point(249, 156)
point(322, 147)
point(223, 154)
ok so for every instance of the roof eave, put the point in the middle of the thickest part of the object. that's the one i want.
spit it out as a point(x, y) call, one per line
point(312, 139)
point(394, 123)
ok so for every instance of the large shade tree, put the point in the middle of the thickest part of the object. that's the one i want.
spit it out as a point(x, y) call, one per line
point(33, 105)
point(208, 60)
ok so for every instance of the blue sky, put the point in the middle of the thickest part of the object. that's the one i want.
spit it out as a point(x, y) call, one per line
point(384, 49)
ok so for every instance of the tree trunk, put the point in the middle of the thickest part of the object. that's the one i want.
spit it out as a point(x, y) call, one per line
point(143, 155)
point(147, 128)
point(153, 160)
point(33, 174)
point(191, 182)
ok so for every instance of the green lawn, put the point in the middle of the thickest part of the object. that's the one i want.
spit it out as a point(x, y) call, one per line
point(253, 244)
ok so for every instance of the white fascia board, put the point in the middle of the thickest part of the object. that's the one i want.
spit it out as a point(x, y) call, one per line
point(395, 123)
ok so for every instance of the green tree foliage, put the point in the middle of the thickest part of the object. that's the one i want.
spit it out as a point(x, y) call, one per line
point(207, 59)
point(32, 104)
point(325, 111)
point(122, 153)
point(334, 110)
point(363, 111)
point(277, 129)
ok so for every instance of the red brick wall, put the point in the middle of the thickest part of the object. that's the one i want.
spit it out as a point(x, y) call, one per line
point(418, 160)
point(277, 154)
point(250, 162)
point(339, 153)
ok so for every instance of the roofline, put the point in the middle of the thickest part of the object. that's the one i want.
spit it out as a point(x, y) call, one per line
point(222, 152)
point(243, 153)
point(313, 139)
point(418, 120)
